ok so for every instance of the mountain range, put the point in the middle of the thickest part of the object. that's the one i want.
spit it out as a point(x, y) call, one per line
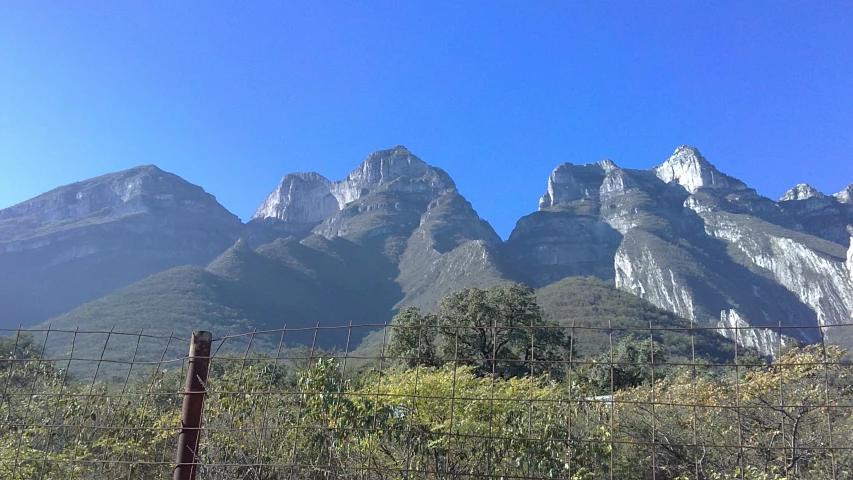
point(144, 249)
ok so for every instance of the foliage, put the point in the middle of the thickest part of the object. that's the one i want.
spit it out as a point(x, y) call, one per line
point(589, 302)
point(780, 413)
point(412, 338)
point(316, 418)
point(631, 364)
point(499, 331)
point(452, 422)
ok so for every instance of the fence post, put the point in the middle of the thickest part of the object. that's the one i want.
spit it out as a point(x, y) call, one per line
point(194, 392)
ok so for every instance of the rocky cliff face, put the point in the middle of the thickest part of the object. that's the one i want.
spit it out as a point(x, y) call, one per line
point(301, 198)
point(81, 241)
point(846, 195)
point(688, 168)
point(698, 243)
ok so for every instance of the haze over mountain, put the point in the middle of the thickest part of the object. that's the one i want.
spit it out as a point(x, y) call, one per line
point(82, 241)
point(396, 232)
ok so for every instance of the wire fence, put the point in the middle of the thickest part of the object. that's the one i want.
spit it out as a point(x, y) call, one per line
point(487, 402)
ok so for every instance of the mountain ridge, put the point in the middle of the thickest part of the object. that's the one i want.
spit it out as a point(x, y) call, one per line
point(682, 235)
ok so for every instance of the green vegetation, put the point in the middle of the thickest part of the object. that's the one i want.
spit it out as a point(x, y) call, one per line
point(320, 418)
point(594, 307)
point(498, 331)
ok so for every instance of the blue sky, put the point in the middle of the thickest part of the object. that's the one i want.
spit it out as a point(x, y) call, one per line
point(233, 95)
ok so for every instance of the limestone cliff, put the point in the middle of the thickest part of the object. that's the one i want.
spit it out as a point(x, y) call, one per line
point(688, 168)
point(302, 198)
point(396, 232)
point(698, 243)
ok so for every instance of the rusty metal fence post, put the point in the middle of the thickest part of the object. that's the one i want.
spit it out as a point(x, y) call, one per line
point(194, 392)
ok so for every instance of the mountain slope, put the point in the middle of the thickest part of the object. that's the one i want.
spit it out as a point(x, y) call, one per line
point(396, 205)
point(82, 241)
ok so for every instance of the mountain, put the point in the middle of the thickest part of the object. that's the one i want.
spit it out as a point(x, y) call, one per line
point(699, 243)
point(397, 206)
point(396, 232)
point(80, 242)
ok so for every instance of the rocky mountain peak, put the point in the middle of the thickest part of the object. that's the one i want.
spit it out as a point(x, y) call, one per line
point(131, 191)
point(802, 191)
point(846, 195)
point(310, 198)
point(300, 198)
point(569, 182)
point(688, 168)
point(384, 167)
point(607, 165)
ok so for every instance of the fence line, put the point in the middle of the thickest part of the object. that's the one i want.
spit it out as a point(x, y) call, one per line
point(79, 404)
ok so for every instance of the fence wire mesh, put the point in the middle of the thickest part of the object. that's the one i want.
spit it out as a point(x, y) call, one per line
point(491, 401)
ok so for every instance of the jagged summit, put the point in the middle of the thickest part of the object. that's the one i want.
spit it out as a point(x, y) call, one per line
point(569, 182)
point(802, 191)
point(311, 198)
point(385, 166)
point(682, 235)
point(688, 168)
point(846, 195)
point(300, 198)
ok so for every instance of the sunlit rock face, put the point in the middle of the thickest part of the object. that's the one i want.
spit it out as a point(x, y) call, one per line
point(812, 269)
point(384, 169)
point(846, 195)
point(138, 190)
point(802, 191)
point(810, 211)
point(570, 182)
point(765, 340)
point(850, 253)
point(688, 168)
point(699, 243)
point(309, 200)
point(300, 198)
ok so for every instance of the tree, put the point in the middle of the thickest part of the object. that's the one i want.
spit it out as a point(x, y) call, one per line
point(412, 338)
point(631, 364)
point(500, 331)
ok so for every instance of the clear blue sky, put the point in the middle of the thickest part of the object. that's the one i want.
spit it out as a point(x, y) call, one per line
point(233, 95)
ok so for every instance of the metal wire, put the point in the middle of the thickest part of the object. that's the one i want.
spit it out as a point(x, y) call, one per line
point(64, 418)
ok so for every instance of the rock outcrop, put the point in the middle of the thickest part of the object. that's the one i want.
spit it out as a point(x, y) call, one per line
point(802, 191)
point(301, 198)
point(688, 168)
point(846, 195)
point(396, 204)
point(850, 253)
